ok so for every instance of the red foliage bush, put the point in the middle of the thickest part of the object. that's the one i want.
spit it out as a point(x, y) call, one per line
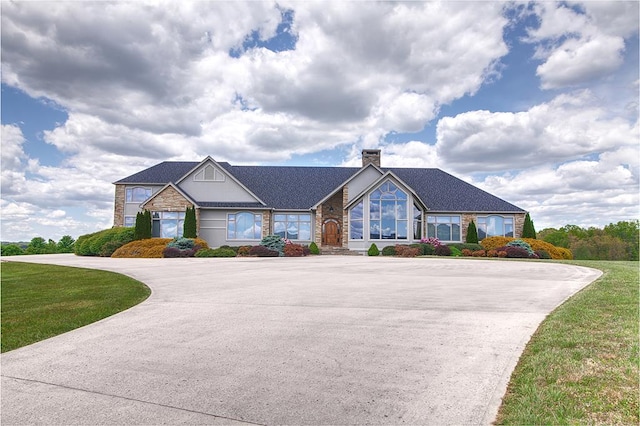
point(293, 250)
point(443, 250)
point(467, 252)
point(407, 251)
point(262, 251)
point(492, 253)
point(502, 253)
point(244, 250)
point(479, 253)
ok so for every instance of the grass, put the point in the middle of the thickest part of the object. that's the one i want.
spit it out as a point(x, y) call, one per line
point(581, 365)
point(42, 301)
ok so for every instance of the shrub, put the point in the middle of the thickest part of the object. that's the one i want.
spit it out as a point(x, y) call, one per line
point(219, 252)
point(502, 253)
point(455, 252)
point(492, 253)
point(234, 248)
point(521, 244)
point(555, 252)
point(181, 243)
point(313, 248)
point(431, 240)
point(388, 251)
point(407, 251)
point(467, 252)
point(244, 250)
point(528, 230)
point(189, 228)
point(443, 250)
point(543, 254)
point(306, 251)
point(262, 251)
point(472, 233)
point(171, 252)
point(479, 253)
point(293, 250)
point(427, 249)
point(11, 250)
point(514, 252)
point(91, 244)
point(110, 247)
point(468, 246)
point(148, 248)
point(373, 250)
point(494, 242)
point(274, 242)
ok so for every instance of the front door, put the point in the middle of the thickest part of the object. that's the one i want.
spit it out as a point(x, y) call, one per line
point(331, 233)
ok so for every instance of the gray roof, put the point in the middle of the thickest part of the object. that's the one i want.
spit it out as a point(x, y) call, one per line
point(300, 188)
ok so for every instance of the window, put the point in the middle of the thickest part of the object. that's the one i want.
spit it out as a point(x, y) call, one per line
point(167, 224)
point(492, 226)
point(137, 195)
point(129, 221)
point(388, 213)
point(417, 223)
point(292, 226)
point(209, 174)
point(356, 222)
point(445, 228)
point(244, 226)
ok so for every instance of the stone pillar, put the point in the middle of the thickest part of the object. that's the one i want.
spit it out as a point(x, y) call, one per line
point(345, 217)
point(518, 224)
point(266, 223)
point(118, 208)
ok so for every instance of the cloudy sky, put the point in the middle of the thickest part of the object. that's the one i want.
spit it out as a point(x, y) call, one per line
point(534, 102)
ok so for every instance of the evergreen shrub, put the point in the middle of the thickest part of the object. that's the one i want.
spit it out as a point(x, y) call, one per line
point(274, 242)
point(313, 248)
point(219, 252)
point(91, 244)
point(472, 233)
point(388, 251)
point(373, 250)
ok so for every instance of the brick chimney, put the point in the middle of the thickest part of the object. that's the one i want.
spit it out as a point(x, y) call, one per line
point(371, 156)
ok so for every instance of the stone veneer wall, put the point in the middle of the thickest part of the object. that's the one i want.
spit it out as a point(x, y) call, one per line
point(337, 201)
point(118, 208)
point(518, 225)
point(168, 200)
point(266, 223)
point(345, 217)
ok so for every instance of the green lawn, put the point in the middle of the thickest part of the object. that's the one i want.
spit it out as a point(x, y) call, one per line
point(581, 365)
point(42, 301)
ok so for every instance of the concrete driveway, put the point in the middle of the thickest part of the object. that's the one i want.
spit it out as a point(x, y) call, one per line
point(316, 340)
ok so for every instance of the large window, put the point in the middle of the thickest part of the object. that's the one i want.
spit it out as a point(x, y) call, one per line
point(388, 213)
point(445, 228)
point(167, 224)
point(129, 221)
point(137, 194)
point(492, 226)
point(356, 222)
point(417, 223)
point(292, 226)
point(244, 226)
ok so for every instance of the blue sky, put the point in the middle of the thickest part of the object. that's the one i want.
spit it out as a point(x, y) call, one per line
point(534, 102)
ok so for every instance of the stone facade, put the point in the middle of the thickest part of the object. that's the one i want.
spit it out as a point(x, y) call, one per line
point(266, 224)
point(518, 225)
point(118, 209)
point(333, 208)
point(169, 200)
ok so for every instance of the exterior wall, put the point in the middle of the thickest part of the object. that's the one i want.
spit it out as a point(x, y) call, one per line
point(213, 227)
point(118, 207)
point(229, 190)
point(518, 224)
point(168, 200)
point(362, 182)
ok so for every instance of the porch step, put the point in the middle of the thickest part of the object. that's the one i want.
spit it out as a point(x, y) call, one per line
point(338, 251)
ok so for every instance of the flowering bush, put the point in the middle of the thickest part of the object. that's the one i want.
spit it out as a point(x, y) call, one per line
point(431, 240)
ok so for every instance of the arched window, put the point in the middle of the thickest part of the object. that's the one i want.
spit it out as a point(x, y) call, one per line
point(244, 226)
point(388, 213)
point(494, 225)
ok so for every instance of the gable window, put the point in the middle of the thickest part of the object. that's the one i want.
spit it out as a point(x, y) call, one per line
point(388, 213)
point(129, 221)
point(292, 226)
point(356, 222)
point(209, 174)
point(494, 226)
point(244, 226)
point(444, 228)
point(137, 194)
point(167, 224)
point(417, 222)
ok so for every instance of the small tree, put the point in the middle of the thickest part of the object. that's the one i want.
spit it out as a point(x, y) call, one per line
point(373, 250)
point(138, 231)
point(190, 228)
point(528, 230)
point(147, 224)
point(65, 245)
point(37, 246)
point(472, 233)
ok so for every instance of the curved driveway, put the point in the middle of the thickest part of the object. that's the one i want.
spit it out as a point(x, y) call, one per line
point(316, 340)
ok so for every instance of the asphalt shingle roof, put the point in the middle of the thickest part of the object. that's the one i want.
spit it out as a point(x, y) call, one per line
point(300, 188)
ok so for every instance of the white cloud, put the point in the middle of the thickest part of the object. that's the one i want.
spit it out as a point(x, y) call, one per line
point(581, 46)
point(568, 127)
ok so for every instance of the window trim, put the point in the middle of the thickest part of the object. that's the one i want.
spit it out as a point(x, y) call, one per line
point(298, 222)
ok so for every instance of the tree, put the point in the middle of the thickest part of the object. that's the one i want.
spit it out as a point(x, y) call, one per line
point(557, 237)
point(627, 231)
point(66, 244)
point(472, 233)
point(142, 228)
point(11, 250)
point(528, 230)
point(37, 246)
point(190, 226)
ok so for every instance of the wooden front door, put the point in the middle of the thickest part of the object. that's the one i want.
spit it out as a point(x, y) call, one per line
point(331, 233)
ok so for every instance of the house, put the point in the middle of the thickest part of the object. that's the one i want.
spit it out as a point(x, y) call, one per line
point(341, 207)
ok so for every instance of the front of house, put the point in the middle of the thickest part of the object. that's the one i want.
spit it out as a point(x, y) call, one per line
point(336, 207)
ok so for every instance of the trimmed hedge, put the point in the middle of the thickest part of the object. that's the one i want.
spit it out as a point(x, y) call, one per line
point(388, 251)
point(150, 248)
point(94, 244)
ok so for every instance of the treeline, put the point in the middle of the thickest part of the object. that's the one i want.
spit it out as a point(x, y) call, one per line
point(39, 245)
point(617, 241)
